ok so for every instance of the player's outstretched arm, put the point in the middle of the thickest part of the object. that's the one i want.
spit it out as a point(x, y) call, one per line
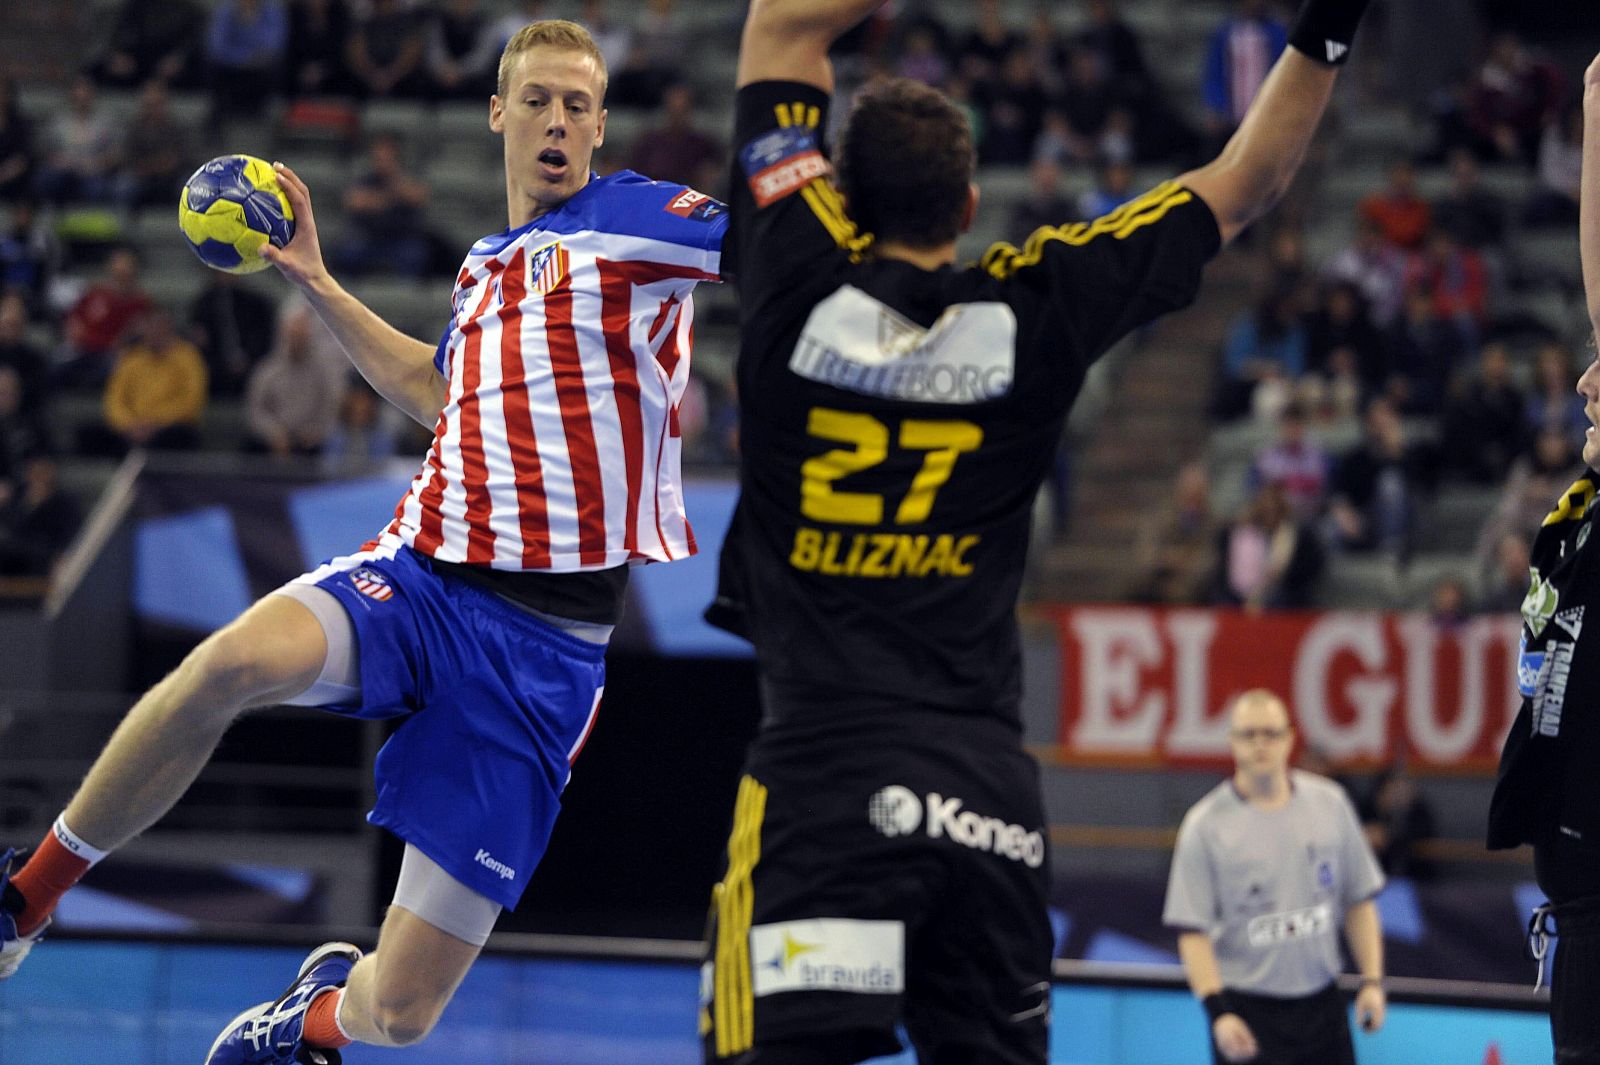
point(1261, 159)
point(788, 40)
point(398, 366)
point(1589, 198)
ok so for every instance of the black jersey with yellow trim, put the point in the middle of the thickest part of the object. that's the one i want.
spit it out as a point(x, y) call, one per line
point(1547, 785)
point(896, 423)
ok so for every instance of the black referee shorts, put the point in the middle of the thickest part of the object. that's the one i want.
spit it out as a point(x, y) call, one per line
point(873, 881)
point(1569, 874)
point(1313, 1030)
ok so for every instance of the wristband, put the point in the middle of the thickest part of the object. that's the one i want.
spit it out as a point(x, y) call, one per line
point(1324, 29)
point(1215, 1005)
point(1372, 981)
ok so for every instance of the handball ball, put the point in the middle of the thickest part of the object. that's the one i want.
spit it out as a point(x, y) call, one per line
point(230, 208)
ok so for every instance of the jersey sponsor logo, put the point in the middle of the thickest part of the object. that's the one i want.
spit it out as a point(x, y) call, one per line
point(1539, 605)
point(372, 584)
point(1336, 50)
point(828, 954)
point(1529, 663)
point(1271, 929)
point(895, 811)
point(695, 206)
point(498, 868)
point(854, 342)
point(1571, 620)
point(881, 555)
point(1550, 687)
point(782, 162)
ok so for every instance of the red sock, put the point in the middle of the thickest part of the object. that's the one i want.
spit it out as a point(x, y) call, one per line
point(322, 1021)
point(50, 871)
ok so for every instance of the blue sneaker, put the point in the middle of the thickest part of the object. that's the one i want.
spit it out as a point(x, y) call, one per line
point(13, 947)
point(269, 1034)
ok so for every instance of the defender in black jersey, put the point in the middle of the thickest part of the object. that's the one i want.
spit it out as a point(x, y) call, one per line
point(1548, 792)
point(888, 858)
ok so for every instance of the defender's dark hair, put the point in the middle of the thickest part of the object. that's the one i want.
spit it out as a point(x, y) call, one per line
point(905, 159)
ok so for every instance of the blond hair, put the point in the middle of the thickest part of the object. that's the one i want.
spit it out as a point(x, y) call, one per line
point(550, 33)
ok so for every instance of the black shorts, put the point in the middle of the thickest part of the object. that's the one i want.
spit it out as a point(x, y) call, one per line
point(1312, 1030)
point(1569, 875)
point(883, 879)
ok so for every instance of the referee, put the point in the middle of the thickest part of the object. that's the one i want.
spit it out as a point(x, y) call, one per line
point(1548, 793)
point(888, 863)
point(1268, 865)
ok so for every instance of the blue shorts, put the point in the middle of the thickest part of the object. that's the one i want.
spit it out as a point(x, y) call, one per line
point(497, 704)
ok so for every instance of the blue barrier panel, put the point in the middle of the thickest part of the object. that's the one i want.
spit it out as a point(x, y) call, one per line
point(162, 1004)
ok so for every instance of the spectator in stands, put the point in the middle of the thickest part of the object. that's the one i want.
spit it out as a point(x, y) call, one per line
point(1089, 101)
point(659, 46)
point(1504, 583)
point(981, 52)
point(293, 399)
point(1395, 819)
point(1265, 347)
point(384, 51)
point(1013, 111)
point(1400, 214)
point(1377, 486)
point(384, 216)
point(1113, 187)
point(233, 325)
point(94, 326)
point(23, 429)
point(1421, 352)
point(1177, 553)
point(156, 395)
point(157, 154)
point(21, 356)
point(461, 58)
point(28, 252)
point(1341, 341)
point(1553, 404)
point(38, 521)
point(1470, 213)
point(526, 11)
point(244, 50)
point(1535, 478)
point(922, 57)
point(318, 32)
point(1241, 52)
point(367, 430)
point(1044, 204)
point(613, 38)
point(1457, 281)
point(151, 39)
point(1448, 607)
point(78, 151)
point(677, 149)
point(1555, 202)
point(1377, 268)
point(1158, 133)
point(16, 146)
point(1116, 46)
point(1515, 94)
point(1485, 425)
point(1267, 560)
point(1296, 464)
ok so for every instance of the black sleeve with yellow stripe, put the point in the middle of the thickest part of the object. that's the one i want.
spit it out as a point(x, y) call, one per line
point(786, 214)
point(1097, 281)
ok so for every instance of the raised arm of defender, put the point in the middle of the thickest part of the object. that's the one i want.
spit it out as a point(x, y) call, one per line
point(1589, 198)
point(398, 366)
point(1261, 159)
point(788, 40)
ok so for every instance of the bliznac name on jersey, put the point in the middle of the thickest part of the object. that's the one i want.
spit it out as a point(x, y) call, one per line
point(882, 555)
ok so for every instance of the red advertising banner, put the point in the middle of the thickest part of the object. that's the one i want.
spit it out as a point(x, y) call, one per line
point(1144, 685)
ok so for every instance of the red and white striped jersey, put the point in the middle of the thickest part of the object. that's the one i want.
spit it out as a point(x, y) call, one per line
point(567, 356)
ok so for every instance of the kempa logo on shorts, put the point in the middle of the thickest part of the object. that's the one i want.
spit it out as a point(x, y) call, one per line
point(896, 811)
point(500, 869)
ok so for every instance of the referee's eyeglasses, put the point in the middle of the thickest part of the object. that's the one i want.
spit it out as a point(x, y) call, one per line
point(1246, 735)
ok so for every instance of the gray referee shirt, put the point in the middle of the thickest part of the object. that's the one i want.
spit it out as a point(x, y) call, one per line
point(1271, 887)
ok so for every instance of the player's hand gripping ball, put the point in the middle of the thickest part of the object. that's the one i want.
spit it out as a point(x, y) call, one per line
point(230, 208)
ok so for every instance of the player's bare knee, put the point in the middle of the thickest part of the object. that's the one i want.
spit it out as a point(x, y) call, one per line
point(404, 1019)
point(228, 669)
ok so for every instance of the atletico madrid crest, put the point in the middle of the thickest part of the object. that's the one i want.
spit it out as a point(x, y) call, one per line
point(547, 267)
point(372, 584)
